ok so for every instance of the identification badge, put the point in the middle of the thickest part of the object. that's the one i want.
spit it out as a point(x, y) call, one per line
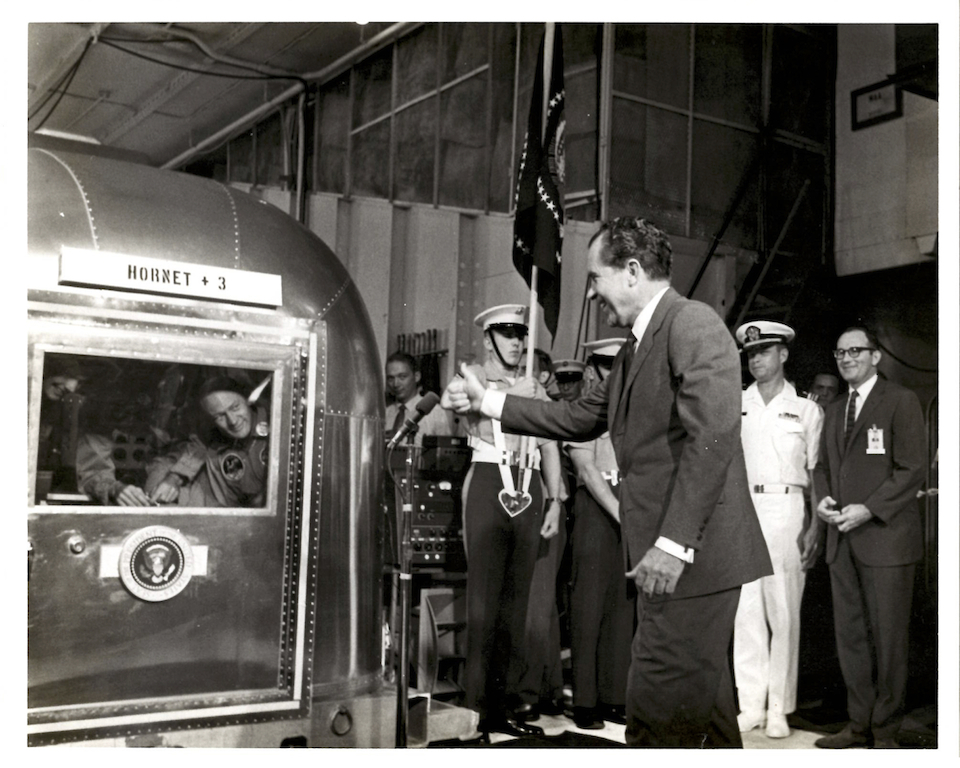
point(875, 441)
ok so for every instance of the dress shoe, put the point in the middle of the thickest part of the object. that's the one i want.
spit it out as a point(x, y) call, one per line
point(885, 743)
point(777, 727)
point(526, 712)
point(844, 740)
point(586, 718)
point(551, 707)
point(747, 721)
point(613, 713)
point(510, 726)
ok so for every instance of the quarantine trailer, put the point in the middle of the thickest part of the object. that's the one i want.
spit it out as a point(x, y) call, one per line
point(251, 624)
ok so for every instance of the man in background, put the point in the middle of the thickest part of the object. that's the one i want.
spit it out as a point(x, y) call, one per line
point(781, 437)
point(870, 469)
point(824, 389)
point(403, 386)
point(602, 600)
point(569, 375)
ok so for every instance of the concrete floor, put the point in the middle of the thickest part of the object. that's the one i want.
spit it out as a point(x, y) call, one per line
point(755, 739)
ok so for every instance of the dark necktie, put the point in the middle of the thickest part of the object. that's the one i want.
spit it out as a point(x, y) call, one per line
point(398, 422)
point(630, 344)
point(851, 414)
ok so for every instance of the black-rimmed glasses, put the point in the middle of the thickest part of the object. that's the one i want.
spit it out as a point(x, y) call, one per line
point(853, 352)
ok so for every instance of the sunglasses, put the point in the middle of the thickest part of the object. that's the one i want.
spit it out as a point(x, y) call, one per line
point(853, 352)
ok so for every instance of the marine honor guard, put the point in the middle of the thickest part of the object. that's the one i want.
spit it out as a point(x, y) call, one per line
point(781, 436)
point(602, 600)
point(505, 515)
point(569, 375)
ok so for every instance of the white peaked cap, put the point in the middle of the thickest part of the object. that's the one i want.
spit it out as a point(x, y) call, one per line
point(604, 347)
point(504, 314)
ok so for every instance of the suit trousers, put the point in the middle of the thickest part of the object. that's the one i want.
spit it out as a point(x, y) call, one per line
point(871, 617)
point(602, 607)
point(766, 636)
point(543, 674)
point(680, 685)
point(501, 556)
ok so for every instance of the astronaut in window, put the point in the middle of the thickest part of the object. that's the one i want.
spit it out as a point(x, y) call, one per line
point(229, 468)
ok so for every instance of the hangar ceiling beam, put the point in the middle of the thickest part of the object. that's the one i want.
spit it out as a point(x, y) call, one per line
point(67, 60)
point(172, 87)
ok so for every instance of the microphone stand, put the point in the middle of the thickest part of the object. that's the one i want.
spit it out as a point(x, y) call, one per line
point(408, 498)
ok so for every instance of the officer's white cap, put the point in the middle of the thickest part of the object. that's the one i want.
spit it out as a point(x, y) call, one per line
point(504, 314)
point(604, 347)
point(763, 333)
point(569, 368)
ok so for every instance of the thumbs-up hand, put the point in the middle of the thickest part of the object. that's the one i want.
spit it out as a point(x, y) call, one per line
point(464, 393)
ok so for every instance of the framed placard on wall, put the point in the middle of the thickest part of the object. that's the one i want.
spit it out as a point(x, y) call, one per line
point(874, 104)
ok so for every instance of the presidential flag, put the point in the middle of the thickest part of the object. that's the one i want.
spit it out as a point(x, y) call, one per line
point(538, 227)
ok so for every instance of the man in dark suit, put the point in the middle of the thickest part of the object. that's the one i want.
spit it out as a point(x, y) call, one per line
point(690, 532)
point(870, 469)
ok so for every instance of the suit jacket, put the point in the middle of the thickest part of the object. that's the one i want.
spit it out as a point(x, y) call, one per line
point(674, 420)
point(886, 483)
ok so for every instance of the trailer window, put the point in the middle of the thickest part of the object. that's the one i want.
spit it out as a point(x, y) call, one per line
point(119, 431)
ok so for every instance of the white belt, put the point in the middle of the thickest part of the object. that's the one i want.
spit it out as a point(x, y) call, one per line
point(485, 453)
point(772, 488)
point(612, 477)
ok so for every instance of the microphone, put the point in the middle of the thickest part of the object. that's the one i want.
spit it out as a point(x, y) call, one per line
point(427, 403)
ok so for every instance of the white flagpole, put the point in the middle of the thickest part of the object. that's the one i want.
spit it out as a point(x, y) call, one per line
point(526, 451)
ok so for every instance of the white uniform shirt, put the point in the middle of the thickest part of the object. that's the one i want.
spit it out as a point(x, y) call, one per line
point(781, 439)
point(600, 452)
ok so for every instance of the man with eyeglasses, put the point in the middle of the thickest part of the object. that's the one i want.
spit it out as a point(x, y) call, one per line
point(870, 469)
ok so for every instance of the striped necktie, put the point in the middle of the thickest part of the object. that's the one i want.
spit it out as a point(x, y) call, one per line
point(851, 414)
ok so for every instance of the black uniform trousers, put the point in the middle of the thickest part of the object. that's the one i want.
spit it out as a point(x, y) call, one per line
point(680, 689)
point(602, 606)
point(501, 555)
point(871, 607)
point(543, 674)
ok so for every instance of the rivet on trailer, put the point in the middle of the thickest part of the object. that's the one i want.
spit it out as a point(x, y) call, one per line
point(242, 619)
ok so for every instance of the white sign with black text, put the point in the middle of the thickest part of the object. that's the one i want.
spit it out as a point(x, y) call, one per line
point(102, 269)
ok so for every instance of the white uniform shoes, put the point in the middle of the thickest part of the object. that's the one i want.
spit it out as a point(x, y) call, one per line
point(776, 725)
point(749, 720)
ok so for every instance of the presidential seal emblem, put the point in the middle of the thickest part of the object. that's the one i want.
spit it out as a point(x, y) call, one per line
point(156, 563)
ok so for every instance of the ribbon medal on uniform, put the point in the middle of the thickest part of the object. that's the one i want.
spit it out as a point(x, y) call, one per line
point(875, 441)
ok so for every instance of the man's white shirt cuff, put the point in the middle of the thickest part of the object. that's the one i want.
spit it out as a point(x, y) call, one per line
point(672, 548)
point(492, 404)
